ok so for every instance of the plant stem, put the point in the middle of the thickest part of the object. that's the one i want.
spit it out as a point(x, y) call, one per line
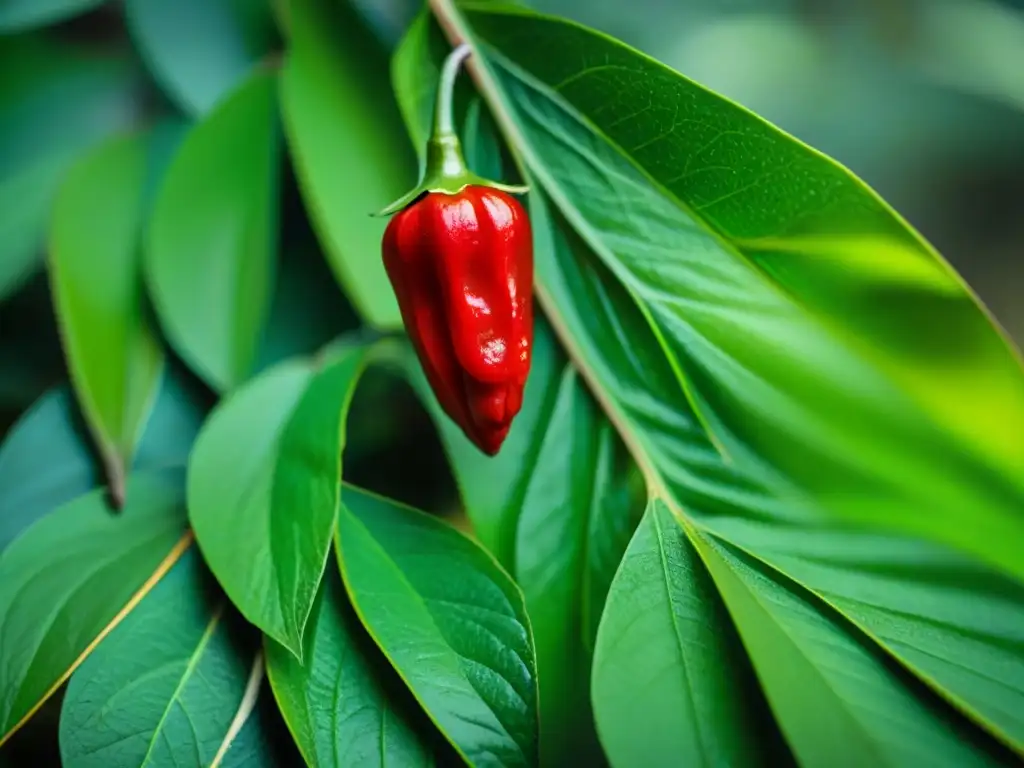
point(444, 124)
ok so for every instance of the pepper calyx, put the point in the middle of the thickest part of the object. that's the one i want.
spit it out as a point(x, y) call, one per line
point(446, 173)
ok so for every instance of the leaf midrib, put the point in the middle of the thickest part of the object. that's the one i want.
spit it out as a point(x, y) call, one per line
point(190, 667)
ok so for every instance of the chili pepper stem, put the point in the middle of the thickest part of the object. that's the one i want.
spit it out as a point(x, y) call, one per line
point(445, 170)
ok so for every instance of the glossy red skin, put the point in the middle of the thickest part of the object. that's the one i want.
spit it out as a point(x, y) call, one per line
point(462, 269)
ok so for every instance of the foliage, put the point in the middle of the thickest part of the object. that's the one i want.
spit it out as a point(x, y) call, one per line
point(762, 504)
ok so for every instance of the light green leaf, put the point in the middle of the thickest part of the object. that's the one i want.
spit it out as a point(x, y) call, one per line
point(451, 622)
point(828, 685)
point(115, 359)
point(175, 683)
point(840, 416)
point(896, 590)
point(759, 266)
point(68, 581)
point(343, 704)
point(263, 488)
point(21, 15)
point(346, 141)
point(211, 244)
point(55, 100)
point(200, 50)
point(46, 461)
point(671, 684)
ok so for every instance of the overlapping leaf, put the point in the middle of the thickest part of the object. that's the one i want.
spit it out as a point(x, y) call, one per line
point(832, 687)
point(263, 488)
point(557, 506)
point(343, 704)
point(114, 357)
point(211, 244)
point(54, 102)
point(69, 579)
point(175, 683)
point(449, 620)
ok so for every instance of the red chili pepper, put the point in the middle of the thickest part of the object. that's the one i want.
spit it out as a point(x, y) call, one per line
point(462, 269)
point(459, 254)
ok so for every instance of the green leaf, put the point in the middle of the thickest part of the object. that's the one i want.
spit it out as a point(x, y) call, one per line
point(840, 425)
point(175, 683)
point(759, 266)
point(863, 466)
point(671, 684)
point(55, 100)
point(955, 623)
point(345, 137)
point(828, 685)
point(896, 590)
point(72, 577)
point(213, 236)
point(114, 357)
point(21, 15)
point(451, 622)
point(343, 704)
point(263, 488)
point(578, 509)
point(46, 460)
point(200, 50)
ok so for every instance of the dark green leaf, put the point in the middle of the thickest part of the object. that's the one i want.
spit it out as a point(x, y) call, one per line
point(113, 355)
point(263, 488)
point(68, 580)
point(20, 15)
point(46, 459)
point(200, 50)
point(55, 100)
point(213, 236)
point(671, 683)
point(830, 686)
point(173, 684)
point(343, 704)
point(760, 266)
point(451, 622)
point(346, 141)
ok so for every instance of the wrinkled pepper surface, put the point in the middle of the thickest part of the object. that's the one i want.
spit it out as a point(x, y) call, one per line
point(459, 254)
point(462, 269)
